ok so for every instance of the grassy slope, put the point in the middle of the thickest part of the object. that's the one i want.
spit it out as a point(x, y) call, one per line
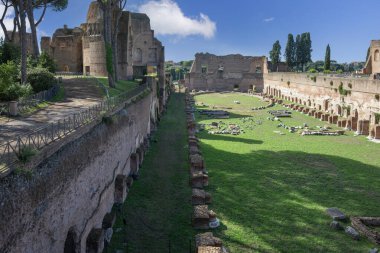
point(271, 190)
point(158, 207)
point(121, 86)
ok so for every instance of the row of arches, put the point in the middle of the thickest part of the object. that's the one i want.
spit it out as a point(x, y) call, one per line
point(97, 237)
point(324, 105)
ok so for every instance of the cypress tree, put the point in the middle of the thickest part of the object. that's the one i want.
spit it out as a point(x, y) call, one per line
point(328, 58)
point(298, 51)
point(275, 54)
point(290, 51)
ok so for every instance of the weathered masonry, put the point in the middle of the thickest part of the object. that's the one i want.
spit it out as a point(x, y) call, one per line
point(227, 73)
point(65, 205)
point(355, 101)
point(82, 49)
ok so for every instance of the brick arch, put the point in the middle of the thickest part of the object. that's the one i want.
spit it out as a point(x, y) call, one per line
point(134, 163)
point(120, 189)
point(71, 242)
point(95, 241)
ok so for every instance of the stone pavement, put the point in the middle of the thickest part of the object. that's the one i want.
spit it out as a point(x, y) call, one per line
point(80, 93)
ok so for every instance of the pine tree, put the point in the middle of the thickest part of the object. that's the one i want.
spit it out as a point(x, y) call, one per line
point(290, 51)
point(328, 58)
point(275, 54)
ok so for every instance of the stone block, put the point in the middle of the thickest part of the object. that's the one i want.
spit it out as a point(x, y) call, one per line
point(198, 180)
point(196, 161)
point(201, 218)
point(200, 197)
point(208, 249)
point(207, 239)
point(352, 232)
point(335, 213)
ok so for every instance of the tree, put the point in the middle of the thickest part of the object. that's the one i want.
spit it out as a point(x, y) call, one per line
point(112, 12)
point(275, 54)
point(328, 58)
point(8, 5)
point(298, 51)
point(307, 47)
point(119, 12)
point(303, 49)
point(31, 6)
point(290, 51)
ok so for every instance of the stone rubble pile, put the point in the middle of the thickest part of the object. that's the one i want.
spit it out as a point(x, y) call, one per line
point(202, 218)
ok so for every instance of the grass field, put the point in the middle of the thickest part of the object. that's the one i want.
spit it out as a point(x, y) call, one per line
point(121, 86)
point(157, 210)
point(271, 191)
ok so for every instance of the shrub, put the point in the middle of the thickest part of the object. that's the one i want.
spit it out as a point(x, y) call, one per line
point(339, 71)
point(45, 61)
point(26, 153)
point(9, 88)
point(327, 71)
point(377, 97)
point(312, 70)
point(350, 85)
point(343, 91)
point(314, 78)
point(40, 79)
point(15, 91)
point(331, 83)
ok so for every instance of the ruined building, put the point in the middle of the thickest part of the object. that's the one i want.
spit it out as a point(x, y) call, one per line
point(16, 40)
point(231, 72)
point(82, 49)
point(372, 66)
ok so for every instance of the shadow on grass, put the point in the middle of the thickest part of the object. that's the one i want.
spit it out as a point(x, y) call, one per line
point(229, 138)
point(275, 201)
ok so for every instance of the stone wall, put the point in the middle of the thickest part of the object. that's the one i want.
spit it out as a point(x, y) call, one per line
point(226, 73)
point(69, 195)
point(327, 93)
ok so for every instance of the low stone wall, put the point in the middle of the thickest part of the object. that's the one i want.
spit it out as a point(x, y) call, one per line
point(356, 98)
point(64, 204)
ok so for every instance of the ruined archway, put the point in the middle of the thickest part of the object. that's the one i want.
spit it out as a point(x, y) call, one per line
point(134, 163)
point(377, 55)
point(95, 241)
point(71, 242)
point(339, 110)
point(120, 191)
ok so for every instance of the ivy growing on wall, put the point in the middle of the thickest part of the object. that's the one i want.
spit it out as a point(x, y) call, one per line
point(343, 91)
point(377, 118)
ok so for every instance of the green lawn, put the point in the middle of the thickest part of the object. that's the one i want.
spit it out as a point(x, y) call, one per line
point(121, 86)
point(158, 206)
point(271, 191)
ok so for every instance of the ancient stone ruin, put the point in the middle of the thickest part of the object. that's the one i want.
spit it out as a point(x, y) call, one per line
point(82, 49)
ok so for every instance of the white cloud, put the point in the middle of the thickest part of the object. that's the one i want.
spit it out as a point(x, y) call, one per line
point(8, 20)
point(167, 18)
point(269, 19)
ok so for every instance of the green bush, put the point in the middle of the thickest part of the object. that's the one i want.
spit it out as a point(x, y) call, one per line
point(26, 153)
point(312, 70)
point(9, 87)
point(14, 91)
point(327, 71)
point(40, 79)
point(339, 71)
point(45, 61)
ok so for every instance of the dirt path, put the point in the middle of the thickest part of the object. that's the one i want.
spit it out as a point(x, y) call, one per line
point(157, 211)
point(79, 94)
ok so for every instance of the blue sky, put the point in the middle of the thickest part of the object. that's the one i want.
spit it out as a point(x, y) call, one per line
point(249, 27)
